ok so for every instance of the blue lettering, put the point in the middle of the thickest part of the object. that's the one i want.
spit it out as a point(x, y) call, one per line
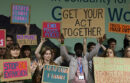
point(5, 74)
point(49, 25)
point(6, 66)
point(51, 33)
point(125, 14)
point(54, 10)
point(23, 73)
point(12, 66)
point(115, 13)
point(53, 25)
point(8, 74)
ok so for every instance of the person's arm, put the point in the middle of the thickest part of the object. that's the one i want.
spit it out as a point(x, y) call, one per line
point(93, 52)
point(37, 51)
point(64, 53)
point(84, 46)
point(103, 47)
point(58, 60)
point(27, 29)
point(96, 49)
point(63, 50)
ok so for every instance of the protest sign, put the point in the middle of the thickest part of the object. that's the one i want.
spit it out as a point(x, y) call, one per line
point(112, 70)
point(119, 28)
point(16, 69)
point(84, 22)
point(27, 39)
point(2, 38)
point(51, 29)
point(20, 14)
point(55, 74)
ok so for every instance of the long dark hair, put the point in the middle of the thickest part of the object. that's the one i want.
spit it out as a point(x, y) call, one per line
point(23, 48)
point(13, 47)
point(37, 74)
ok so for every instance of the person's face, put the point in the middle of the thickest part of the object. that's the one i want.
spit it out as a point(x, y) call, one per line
point(53, 52)
point(15, 53)
point(112, 45)
point(27, 53)
point(78, 52)
point(2, 51)
point(109, 53)
point(9, 41)
point(128, 52)
point(47, 55)
point(91, 48)
point(128, 37)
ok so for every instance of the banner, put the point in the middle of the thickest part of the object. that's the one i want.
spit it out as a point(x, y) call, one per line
point(2, 38)
point(55, 74)
point(16, 69)
point(112, 70)
point(20, 14)
point(27, 39)
point(84, 22)
point(51, 29)
point(119, 28)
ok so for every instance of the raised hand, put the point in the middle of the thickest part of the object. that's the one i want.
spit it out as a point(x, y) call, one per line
point(40, 64)
point(43, 39)
point(27, 28)
point(101, 39)
point(33, 66)
point(62, 39)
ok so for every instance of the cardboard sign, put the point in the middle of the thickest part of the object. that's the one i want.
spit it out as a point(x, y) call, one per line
point(51, 29)
point(119, 28)
point(16, 69)
point(55, 74)
point(87, 22)
point(27, 39)
point(20, 14)
point(112, 70)
point(2, 38)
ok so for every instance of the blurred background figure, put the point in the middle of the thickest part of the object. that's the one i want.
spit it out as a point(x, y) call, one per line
point(9, 40)
point(127, 52)
point(109, 53)
point(2, 53)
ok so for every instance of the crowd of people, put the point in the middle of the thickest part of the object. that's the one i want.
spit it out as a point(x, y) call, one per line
point(80, 64)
